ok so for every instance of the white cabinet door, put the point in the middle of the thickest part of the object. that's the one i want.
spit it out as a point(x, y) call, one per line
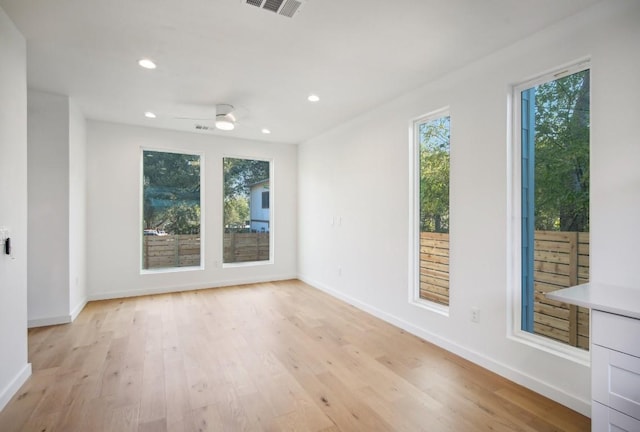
point(605, 419)
point(616, 380)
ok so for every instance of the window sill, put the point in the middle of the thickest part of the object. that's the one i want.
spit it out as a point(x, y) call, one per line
point(430, 306)
point(559, 349)
point(247, 264)
point(170, 270)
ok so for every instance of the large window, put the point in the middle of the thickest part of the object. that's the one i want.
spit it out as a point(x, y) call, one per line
point(431, 146)
point(171, 210)
point(247, 216)
point(553, 130)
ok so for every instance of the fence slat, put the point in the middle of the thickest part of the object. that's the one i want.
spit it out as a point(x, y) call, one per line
point(171, 251)
point(561, 259)
point(246, 247)
point(434, 267)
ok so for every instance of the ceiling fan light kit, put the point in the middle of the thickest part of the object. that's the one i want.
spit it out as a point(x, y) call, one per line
point(224, 117)
point(225, 122)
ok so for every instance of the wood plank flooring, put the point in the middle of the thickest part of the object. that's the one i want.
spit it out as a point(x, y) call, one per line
point(265, 357)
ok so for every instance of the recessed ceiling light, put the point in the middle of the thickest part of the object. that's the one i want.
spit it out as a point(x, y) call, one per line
point(146, 63)
point(266, 131)
point(149, 114)
point(313, 98)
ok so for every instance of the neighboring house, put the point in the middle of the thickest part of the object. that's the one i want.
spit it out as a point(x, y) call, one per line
point(259, 206)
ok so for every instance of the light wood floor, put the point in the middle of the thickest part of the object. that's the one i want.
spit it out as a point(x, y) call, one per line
point(274, 357)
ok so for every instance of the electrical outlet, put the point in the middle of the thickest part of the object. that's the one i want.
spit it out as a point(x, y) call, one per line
point(475, 314)
point(5, 241)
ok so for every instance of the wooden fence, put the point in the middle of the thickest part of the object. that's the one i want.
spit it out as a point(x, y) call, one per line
point(434, 267)
point(171, 251)
point(245, 247)
point(561, 259)
point(184, 250)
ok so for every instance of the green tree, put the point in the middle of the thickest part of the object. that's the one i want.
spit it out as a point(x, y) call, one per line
point(562, 154)
point(171, 188)
point(174, 170)
point(183, 219)
point(434, 175)
point(236, 211)
point(239, 174)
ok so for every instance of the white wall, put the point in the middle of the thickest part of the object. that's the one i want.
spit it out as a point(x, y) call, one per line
point(114, 208)
point(359, 172)
point(14, 369)
point(48, 161)
point(57, 209)
point(77, 210)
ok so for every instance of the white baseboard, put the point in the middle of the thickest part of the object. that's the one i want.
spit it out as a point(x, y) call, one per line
point(48, 321)
point(548, 390)
point(76, 311)
point(57, 320)
point(15, 384)
point(180, 288)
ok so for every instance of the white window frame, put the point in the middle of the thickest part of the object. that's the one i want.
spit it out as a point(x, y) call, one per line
point(414, 215)
point(514, 245)
point(272, 211)
point(144, 271)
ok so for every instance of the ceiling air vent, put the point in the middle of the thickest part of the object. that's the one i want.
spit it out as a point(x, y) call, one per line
point(202, 127)
point(287, 8)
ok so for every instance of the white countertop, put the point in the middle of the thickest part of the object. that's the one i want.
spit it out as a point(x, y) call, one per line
point(603, 297)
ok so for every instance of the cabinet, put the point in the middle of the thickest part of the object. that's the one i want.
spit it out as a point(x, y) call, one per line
point(615, 372)
point(615, 354)
point(605, 419)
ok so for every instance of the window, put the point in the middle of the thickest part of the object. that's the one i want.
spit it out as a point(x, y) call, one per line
point(553, 134)
point(171, 210)
point(431, 152)
point(247, 217)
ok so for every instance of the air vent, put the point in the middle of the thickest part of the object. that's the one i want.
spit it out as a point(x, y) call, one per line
point(272, 5)
point(290, 8)
point(202, 127)
point(286, 8)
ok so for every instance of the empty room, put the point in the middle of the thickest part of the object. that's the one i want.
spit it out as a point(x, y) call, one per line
point(306, 215)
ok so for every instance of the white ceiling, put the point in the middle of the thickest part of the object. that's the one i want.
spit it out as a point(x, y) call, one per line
point(355, 54)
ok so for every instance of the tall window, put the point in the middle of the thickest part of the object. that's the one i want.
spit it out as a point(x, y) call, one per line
point(432, 150)
point(247, 217)
point(171, 210)
point(554, 141)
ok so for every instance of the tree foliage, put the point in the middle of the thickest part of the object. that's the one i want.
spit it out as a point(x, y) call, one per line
point(172, 170)
point(239, 174)
point(562, 154)
point(236, 212)
point(171, 194)
point(434, 138)
point(183, 219)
